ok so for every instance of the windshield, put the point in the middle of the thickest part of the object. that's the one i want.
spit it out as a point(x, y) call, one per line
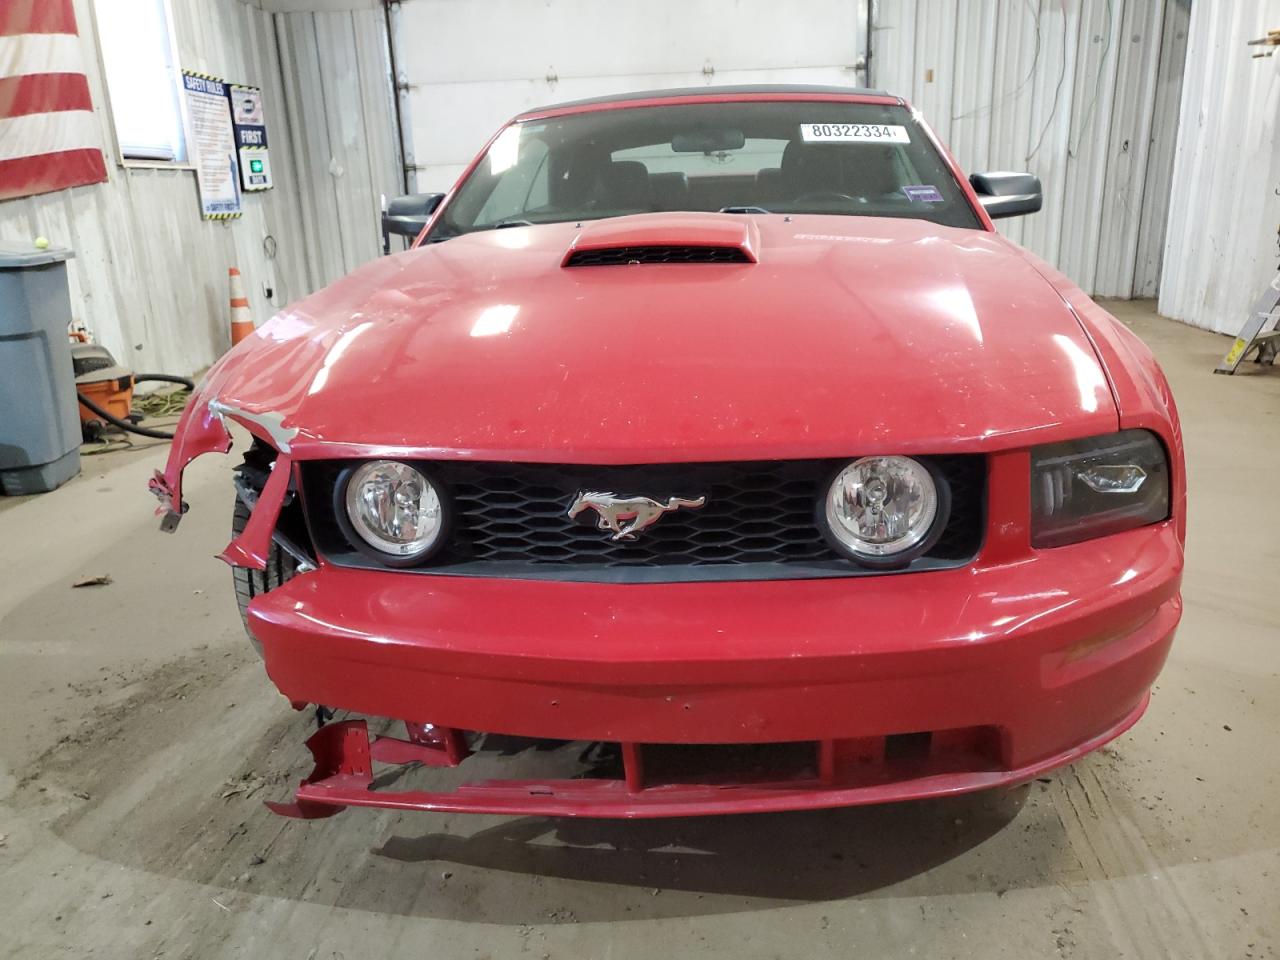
point(851, 159)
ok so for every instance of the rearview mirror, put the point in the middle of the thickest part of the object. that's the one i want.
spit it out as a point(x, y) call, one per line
point(708, 141)
point(1007, 194)
point(406, 216)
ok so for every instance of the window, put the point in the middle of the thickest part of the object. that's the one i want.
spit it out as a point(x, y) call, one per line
point(143, 82)
point(521, 189)
point(830, 157)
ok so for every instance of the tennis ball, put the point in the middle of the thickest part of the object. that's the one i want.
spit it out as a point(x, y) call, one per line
point(42, 243)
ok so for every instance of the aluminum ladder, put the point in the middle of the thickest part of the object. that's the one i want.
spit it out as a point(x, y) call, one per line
point(1258, 332)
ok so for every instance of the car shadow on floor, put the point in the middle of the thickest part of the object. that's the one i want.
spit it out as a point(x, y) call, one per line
point(801, 856)
point(156, 811)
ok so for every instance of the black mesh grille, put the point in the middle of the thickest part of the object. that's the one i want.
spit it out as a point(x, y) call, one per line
point(621, 256)
point(759, 520)
point(756, 513)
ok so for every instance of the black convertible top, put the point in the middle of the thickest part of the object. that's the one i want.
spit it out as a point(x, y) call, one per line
point(790, 88)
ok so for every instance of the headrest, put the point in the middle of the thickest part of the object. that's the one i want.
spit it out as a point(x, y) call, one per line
point(813, 166)
point(670, 190)
point(627, 185)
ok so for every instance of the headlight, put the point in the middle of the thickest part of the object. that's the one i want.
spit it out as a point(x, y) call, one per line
point(1089, 488)
point(885, 511)
point(395, 510)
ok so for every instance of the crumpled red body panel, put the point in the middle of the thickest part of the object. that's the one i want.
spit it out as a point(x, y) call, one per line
point(202, 430)
point(253, 546)
point(199, 431)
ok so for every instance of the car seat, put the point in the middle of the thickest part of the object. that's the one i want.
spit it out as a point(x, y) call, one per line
point(626, 186)
point(864, 170)
point(809, 168)
point(769, 184)
point(670, 191)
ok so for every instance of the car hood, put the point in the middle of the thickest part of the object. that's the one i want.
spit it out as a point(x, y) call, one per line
point(846, 335)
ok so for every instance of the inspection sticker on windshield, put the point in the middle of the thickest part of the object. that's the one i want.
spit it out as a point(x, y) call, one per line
point(923, 193)
point(853, 133)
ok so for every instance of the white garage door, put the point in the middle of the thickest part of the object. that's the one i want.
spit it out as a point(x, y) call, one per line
point(467, 66)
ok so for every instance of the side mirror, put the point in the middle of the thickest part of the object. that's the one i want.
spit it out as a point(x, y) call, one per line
point(1007, 194)
point(406, 216)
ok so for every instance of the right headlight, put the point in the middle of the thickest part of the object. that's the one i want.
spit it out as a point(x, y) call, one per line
point(1089, 488)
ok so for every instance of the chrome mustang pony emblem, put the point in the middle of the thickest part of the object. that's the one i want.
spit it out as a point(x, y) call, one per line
point(628, 516)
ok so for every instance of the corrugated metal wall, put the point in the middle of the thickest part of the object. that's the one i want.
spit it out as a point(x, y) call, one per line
point(337, 81)
point(1224, 231)
point(150, 278)
point(1082, 93)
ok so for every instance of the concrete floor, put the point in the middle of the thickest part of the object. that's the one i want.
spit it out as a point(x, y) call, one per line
point(140, 736)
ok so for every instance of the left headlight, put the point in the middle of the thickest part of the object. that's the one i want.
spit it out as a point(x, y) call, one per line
point(1099, 485)
point(396, 513)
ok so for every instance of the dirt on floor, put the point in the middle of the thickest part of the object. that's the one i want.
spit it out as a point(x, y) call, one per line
point(140, 737)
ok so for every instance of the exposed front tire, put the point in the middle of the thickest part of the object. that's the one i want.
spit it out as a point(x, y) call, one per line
point(249, 583)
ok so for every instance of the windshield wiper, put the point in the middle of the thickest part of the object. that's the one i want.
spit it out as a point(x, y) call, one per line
point(743, 209)
point(500, 225)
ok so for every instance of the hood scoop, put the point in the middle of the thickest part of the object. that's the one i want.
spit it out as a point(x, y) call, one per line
point(622, 256)
point(664, 238)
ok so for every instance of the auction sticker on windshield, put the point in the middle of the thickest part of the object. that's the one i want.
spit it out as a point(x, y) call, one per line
point(853, 133)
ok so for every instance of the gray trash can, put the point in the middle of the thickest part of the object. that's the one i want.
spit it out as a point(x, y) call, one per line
point(39, 419)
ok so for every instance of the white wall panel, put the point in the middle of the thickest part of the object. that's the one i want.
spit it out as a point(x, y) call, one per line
point(1223, 242)
point(969, 120)
point(1164, 138)
point(1082, 93)
point(335, 74)
point(150, 277)
point(1087, 146)
point(471, 65)
point(1129, 139)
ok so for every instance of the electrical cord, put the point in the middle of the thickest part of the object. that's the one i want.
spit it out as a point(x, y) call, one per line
point(163, 404)
point(164, 378)
point(106, 446)
point(1057, 92)
point(123, 424)
point(1016, 91)
point(133, 427)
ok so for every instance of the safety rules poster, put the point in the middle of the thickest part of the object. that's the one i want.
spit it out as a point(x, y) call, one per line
point(213, 147)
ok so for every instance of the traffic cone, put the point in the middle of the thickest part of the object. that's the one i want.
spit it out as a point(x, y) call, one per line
point(241, 318)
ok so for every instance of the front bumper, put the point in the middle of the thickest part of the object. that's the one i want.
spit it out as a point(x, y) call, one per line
point(1036, 658)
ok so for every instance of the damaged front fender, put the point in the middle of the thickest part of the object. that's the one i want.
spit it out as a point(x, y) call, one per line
point(264, 384)
point(259, 384)
point(200, 430)
point(203, 429)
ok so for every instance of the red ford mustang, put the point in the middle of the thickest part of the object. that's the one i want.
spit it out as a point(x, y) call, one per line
point(718, 427)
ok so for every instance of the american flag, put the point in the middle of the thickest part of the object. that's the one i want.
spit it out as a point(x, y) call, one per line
point(49, 136)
